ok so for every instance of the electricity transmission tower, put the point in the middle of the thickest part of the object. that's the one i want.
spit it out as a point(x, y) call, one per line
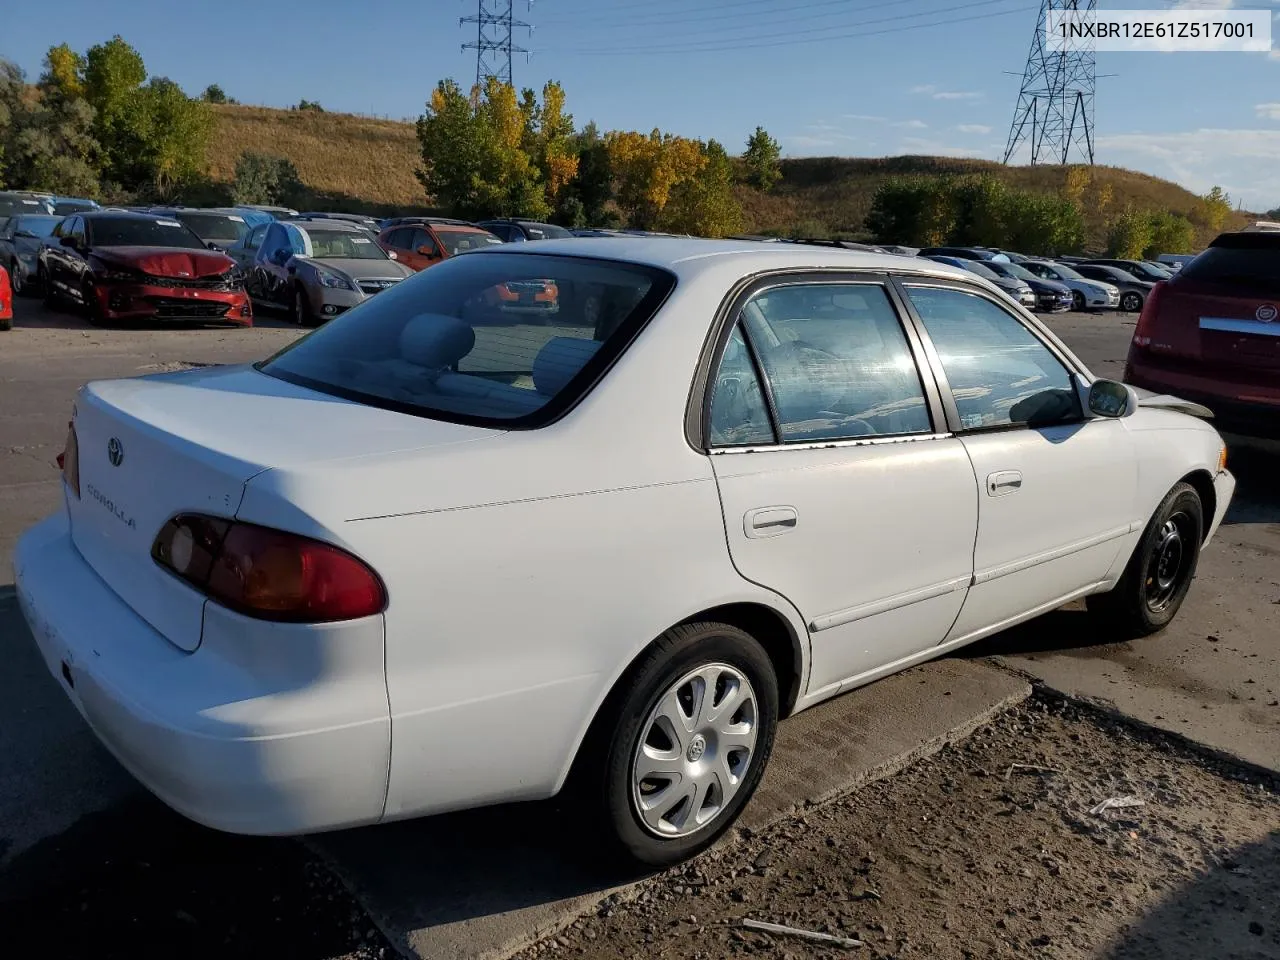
point(1055, 105)
point(494, 43)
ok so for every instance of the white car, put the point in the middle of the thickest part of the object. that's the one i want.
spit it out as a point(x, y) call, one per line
point(1088, 294)
point(432, 556)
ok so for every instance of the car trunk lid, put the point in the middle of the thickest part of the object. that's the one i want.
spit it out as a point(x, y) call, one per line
point(153, 447)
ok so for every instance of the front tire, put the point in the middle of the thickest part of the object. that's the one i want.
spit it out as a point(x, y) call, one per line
point(684, 744)
point(15, 277)
point(92, 308)
point(301, 311)
point(1159, 574)
point(1077, 301)
point(1131, 303)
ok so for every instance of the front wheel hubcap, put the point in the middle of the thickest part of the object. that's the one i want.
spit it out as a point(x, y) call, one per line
point(695, 749)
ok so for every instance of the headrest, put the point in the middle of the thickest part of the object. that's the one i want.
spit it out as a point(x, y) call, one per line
point(559, 362)
point(435, 340)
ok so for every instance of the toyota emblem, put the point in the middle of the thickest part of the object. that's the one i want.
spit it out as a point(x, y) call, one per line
point(115, 451)
point(1267, 312)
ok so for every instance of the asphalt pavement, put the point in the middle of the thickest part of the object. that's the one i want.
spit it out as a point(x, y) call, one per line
point(483, 883)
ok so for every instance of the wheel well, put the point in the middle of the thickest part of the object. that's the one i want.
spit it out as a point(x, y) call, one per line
point(774, 634)
point(1203, 484)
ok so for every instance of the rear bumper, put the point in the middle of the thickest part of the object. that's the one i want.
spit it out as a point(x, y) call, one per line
point(122, 301)
point(1253, 411)
point(203, 731)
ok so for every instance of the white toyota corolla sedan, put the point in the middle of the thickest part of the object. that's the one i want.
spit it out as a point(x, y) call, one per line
point(439, 554)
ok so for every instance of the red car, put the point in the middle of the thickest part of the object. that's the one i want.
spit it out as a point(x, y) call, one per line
point(6, 301)
point(134, 266)
point(1211, 334)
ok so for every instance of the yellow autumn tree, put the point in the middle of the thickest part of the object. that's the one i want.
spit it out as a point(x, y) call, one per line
point(555, 150)
point(647, 168)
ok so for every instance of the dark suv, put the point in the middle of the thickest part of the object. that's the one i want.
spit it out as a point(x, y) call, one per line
point(1211, 334)
point(517, 230)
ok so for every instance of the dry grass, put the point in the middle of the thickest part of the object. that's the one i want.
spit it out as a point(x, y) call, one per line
point(337, 154)
point(362, 163)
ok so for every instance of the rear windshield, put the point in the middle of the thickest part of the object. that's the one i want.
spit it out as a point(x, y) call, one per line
point(974, 267)
point(456, 241)
point(494, 339)
point(141, 232)
point(65, 208)
point(1256, 268)
point(545, 231)
point(12, 206)
point(219, 227)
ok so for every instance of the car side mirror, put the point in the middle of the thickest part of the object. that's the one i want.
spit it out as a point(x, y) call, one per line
point(391, 254)
point(426, 251)
point(1107, 398)
point(68, 242)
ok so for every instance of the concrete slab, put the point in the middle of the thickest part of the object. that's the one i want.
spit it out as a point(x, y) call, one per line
point(483, 884)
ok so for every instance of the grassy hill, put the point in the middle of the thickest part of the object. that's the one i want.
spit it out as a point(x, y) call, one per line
point(357, 162)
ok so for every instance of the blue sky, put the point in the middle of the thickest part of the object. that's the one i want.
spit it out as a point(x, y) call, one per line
point(846, 77)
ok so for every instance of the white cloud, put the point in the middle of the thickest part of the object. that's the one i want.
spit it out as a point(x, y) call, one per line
point(931, 90)
point(912, 124)
point(864, 117)
point(1202, 4)
point(1268, 111)
point(973, 128)
point(1242, 162)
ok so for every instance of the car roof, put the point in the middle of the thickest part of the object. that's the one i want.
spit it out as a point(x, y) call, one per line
point(688, 256)
point(328, 224)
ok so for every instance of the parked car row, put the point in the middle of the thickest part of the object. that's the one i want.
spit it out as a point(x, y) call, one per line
point(1065, 283)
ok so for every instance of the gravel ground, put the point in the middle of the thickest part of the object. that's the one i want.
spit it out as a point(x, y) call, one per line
point(141, 882)
point(987, 850)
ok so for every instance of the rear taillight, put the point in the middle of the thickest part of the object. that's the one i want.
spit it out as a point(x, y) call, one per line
point(1146, 319)
point(69, 460)
point(268, 574)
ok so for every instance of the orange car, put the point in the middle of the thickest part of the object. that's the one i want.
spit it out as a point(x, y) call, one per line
point(6, 301)
point(419, 242)
point(538, 297)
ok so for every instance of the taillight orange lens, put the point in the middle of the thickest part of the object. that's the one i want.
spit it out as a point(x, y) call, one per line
point(268, 574)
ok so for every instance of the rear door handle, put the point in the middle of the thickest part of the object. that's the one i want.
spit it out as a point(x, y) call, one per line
point(1004, 483)
point(769, 522)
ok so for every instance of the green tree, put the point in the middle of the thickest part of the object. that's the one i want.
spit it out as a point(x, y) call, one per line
point(49, 143)
point(113, 73)
point(914, 211)
point(1043, 224)
point(1130, 234)
point(312, 105)
point(213, 94)
point(592, 184)
point(1212, 210)
point(260, 178)
point(450, 141)
point(169, 135)
point(763, 160)
point(704, 205)
point(1170, 233)
point(981, 210)
point(12, 87)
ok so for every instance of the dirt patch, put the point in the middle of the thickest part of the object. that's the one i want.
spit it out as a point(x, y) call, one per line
point(988, 849)
point(141, 882)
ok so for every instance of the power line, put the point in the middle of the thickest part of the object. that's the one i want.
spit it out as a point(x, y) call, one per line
point(774, 39)
point(717, 13)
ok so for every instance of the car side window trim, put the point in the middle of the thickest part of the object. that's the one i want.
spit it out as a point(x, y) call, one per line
point(698, 413)
point(953, 421)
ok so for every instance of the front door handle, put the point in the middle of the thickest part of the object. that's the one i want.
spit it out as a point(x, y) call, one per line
point(769, 522)
point(1004, 483)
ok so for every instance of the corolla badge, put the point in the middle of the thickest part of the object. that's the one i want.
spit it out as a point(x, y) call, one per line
point(1267, 312)
point(115, 451)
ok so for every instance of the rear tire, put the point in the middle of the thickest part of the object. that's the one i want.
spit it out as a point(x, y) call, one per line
point(20, 289)
point(700, 775)
point(1159, 573)
point(1131, 303)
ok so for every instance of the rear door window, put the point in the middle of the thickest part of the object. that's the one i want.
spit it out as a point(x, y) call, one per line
point(837, 362)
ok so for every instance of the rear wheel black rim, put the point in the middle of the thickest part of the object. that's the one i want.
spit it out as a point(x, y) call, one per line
point(1170, 562)
point(1131, 303)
